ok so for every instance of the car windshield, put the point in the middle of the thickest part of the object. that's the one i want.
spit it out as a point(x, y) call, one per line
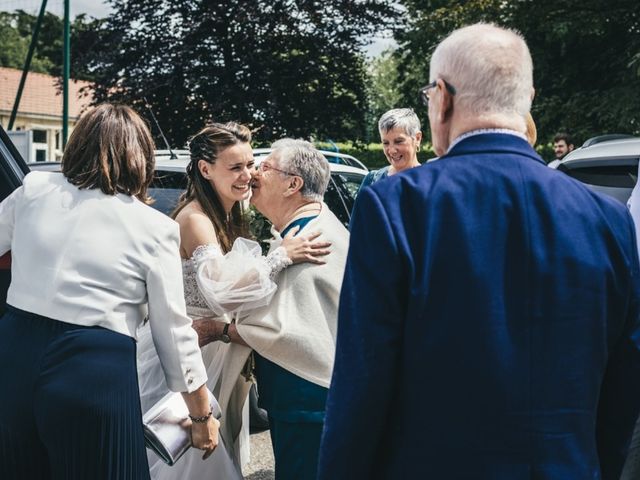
point(166, 189)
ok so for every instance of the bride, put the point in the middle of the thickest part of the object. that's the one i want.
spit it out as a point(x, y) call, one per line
point(225, 275)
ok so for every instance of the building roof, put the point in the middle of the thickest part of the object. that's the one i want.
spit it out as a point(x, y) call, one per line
point(41, 95)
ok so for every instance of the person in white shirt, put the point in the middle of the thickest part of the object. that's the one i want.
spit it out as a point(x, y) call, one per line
point(90, 262)
point(225, 277)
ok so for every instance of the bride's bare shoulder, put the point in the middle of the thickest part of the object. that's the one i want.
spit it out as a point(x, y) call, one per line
point(195, 229)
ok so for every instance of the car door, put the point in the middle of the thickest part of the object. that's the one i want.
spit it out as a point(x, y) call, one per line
point(12, 170)
point(341, 194)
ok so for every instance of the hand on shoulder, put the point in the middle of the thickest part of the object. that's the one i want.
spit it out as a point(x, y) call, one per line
point(305, 248)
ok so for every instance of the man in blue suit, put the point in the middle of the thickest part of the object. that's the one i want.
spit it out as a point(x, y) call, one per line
point(486, 330)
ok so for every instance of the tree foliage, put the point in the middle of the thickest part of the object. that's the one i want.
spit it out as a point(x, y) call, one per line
point(14, 44)
point(16, 29)
point(585, 55)
point(284, 67)
point(383, 90)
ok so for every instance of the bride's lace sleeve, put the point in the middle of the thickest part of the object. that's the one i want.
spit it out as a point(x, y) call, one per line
point(239, 281)
point(277, 261)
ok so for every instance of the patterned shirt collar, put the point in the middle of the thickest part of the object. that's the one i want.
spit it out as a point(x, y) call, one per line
point(482, 131)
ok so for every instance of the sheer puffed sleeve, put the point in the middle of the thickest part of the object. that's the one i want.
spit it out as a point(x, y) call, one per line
point(239, 281)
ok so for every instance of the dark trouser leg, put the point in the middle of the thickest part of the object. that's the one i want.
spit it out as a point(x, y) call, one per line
point(22, 454)
point(295, 448)
point(88, 407)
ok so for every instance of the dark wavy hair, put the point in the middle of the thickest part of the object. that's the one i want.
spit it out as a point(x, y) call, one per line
point(110, 148)
point(207, 145)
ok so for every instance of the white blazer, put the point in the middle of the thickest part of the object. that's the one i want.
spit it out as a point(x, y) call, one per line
point(83, 257)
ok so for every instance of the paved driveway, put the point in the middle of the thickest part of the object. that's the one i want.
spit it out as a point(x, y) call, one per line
point(261, 465)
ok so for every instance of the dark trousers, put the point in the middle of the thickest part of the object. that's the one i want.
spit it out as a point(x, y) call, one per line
point(70, 406)
point(296, 446)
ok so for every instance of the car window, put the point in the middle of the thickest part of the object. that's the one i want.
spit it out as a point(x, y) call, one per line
point(12, 166)
point(351, 183)
point(341, 194)
point(613, 177)
point(165, 189)
point(621, 176)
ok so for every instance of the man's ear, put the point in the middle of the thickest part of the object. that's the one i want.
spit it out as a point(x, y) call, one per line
point(295, 185)
point(446, 103)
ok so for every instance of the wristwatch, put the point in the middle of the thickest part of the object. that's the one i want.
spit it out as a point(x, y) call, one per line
point(225, 338)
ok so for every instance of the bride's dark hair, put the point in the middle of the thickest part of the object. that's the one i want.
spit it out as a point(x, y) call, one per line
point(207, 145)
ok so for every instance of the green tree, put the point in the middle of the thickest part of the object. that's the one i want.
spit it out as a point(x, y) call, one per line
point(584, 78)
point(285, 67)
point(428, 23)
point(584, 52)
point(14, 46)
point(16, 29)
point(383, 90)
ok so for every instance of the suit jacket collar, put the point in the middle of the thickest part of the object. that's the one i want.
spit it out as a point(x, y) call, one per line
point(494, 143)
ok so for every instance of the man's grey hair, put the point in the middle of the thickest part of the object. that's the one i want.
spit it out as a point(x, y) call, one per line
point(302, 158)
point(403, 118)
point(490, 68)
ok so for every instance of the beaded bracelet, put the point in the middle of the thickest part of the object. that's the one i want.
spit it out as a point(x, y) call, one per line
point(202, 419)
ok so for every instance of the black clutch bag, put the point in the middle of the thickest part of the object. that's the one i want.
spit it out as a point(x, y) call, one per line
point(167, 426)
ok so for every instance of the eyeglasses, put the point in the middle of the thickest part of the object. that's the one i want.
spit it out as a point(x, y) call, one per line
point(424, 91)
point(264, 167)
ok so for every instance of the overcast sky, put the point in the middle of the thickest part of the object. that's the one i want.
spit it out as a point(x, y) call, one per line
point(95, 8)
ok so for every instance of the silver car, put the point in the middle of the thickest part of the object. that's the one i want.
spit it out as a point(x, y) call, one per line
point(607, 164)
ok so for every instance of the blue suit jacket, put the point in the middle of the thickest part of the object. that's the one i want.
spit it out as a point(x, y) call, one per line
point(488, 325)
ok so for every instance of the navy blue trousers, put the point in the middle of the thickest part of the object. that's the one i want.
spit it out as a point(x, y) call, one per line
point(296, 446)
point(70, 406)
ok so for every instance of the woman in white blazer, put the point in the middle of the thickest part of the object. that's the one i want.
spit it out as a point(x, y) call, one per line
point(90, 262)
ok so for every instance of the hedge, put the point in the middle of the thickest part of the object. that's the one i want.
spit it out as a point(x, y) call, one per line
point(373, 156)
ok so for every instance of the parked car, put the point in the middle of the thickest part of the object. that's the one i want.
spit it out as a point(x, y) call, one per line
point(607, 164)
point(332, 157)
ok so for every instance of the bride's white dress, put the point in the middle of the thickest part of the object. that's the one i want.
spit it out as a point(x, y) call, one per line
point(222, 286)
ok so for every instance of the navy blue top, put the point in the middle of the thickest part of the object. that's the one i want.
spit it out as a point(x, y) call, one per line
point(373, 176)
point(284, 395)
point(486, 329)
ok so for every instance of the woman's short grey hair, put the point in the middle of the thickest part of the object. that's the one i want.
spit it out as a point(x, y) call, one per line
point(403, 118)
point(490, 68)
point(303, 159)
